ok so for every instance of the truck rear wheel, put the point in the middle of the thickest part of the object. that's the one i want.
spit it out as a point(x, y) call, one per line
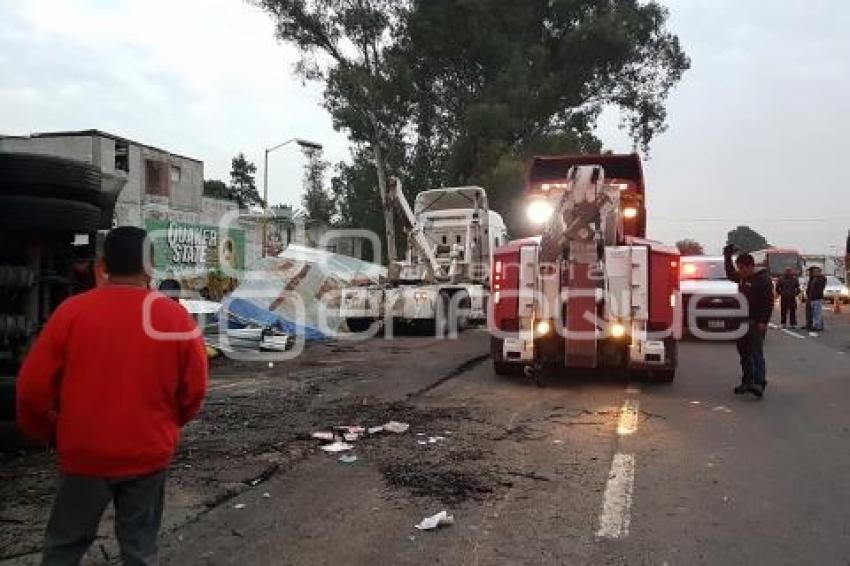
point(359, 324)
point(668, 373)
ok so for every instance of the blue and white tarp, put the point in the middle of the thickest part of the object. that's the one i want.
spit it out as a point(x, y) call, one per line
point(298, 292)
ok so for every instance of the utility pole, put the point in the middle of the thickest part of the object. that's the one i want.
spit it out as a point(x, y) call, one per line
point(304, 144)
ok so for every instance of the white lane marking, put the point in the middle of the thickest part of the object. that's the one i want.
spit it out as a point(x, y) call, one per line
point(617, 506)
point(785, 330)
point(628, 422)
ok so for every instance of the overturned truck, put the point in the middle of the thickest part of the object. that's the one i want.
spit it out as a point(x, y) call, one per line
point(51, 211)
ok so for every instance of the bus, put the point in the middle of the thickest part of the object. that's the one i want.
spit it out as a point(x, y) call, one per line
point(777, 260)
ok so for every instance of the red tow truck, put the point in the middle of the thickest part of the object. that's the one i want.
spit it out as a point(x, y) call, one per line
point(590, 291)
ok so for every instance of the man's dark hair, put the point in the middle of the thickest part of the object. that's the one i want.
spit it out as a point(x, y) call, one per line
point(124, 251)
point(745, 260)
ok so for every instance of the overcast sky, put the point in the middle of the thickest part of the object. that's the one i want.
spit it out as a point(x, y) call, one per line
point(758, 129)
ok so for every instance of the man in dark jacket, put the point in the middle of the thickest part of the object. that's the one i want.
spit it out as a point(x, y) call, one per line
point(788, 287)
point(814, 295)
point(757, 288)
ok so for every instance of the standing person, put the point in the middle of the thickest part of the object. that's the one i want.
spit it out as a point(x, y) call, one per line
point(757, 288)
point(814, 295)
point(788, 287)
point(111, 379)
point(808, 303)
point(170, 286)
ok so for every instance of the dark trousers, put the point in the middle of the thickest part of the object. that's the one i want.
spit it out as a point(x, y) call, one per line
point(788, 306)
point(79, 505)
point(751, 350)
point(808, 315)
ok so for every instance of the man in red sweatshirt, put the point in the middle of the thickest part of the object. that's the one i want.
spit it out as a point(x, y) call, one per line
point(113, 376)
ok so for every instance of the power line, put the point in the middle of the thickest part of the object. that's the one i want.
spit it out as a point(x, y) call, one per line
point(750, 220)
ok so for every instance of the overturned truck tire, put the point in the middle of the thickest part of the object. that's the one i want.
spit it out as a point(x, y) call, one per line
point(44, 176)
point(48, 214)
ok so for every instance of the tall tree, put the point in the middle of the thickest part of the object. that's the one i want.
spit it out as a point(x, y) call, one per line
point(469, 90)
point(243, 186)
point(746, 239)
point(350, 45)
point(317, 200)
point(499, 80)
point(689, 246)
point(215, 188)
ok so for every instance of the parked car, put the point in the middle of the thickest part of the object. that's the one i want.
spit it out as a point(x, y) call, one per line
point(704, 286)
point(836, 290)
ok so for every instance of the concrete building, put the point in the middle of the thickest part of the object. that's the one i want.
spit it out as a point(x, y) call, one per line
point(163, 193)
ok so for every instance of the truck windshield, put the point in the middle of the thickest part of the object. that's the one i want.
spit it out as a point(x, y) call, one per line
point(698, 270)
point(777, 263)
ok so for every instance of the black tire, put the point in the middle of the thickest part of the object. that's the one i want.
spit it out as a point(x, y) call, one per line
point(43, 176)
point(507, 368)
point(359, 324)
point(667, 374)
point(48, 214)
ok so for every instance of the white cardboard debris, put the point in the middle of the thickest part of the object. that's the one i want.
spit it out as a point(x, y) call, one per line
point(435, 439)
point(336, 447)
point(375, 429)
point(323, 435)
point(396, 427)
point(722, 409)
point(351, 437)
point(348, 458)
point(239, 506)
point(434, 521)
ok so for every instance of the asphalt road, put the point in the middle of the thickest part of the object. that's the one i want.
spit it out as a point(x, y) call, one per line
point(586, 470)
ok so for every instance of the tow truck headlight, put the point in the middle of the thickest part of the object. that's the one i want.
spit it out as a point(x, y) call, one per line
point(618, 330)
point(539, 211)
point(542, 328)
point(630, 212)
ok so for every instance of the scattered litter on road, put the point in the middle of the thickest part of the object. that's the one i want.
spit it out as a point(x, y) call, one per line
point(239, 506)
point(696, 402)
point(267, 495)
point(435, 439)
point(396, 427)
point(323, 435)
point(440, 519)
point(348, 458)
point(420, 434)
point(422, 442)
point(557, 441)
point(336, 447)
point(375, 429)
point(813, 334)
point(722, 409)
point(351, 437)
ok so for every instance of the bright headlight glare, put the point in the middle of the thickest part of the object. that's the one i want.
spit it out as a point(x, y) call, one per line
point(539, 211)
point(618, 330)
point(542, 328)
point(630, 212)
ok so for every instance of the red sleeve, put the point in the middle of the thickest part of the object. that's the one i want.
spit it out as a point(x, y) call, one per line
point(37, 386)
point(193, 376)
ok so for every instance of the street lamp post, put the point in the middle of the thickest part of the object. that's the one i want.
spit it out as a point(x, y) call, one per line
point(304, 144)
